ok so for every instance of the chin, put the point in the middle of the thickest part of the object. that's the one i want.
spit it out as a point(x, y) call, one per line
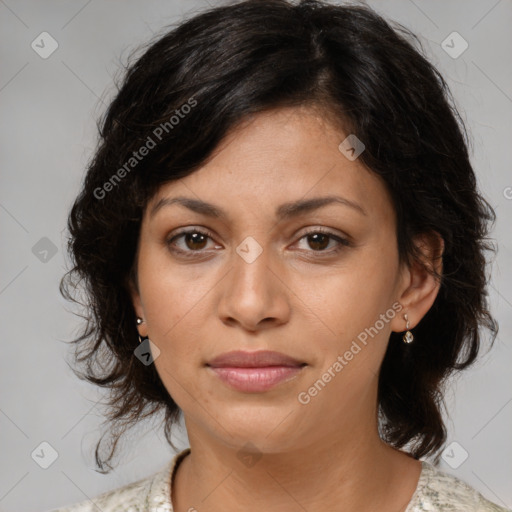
point(270, 431)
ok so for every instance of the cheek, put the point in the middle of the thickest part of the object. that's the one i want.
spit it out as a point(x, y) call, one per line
point(351, 302)
point(363, 288)
point(182, 353)
point(171, 294)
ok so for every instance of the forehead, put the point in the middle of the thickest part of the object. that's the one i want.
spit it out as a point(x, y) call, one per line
point(279, 156)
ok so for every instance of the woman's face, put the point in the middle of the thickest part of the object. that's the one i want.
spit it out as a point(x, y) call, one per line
point(257, 281)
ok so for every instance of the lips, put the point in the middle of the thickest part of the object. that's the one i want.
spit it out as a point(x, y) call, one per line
point(260, 359)
point(255, 372)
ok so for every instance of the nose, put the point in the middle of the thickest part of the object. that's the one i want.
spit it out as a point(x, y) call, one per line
point(254, 294)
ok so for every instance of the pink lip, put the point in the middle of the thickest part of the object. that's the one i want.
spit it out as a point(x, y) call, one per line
point(255, 380)
point(257, 359)
point(255, 371)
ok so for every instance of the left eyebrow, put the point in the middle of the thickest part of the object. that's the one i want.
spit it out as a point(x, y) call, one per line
point(284, 211)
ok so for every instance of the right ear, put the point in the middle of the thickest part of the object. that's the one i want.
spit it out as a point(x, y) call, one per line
point(137, 304)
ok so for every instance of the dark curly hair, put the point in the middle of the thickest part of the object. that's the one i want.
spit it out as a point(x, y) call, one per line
point(197, 81)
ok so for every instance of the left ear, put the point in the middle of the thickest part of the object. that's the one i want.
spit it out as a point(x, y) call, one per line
point(419, 288)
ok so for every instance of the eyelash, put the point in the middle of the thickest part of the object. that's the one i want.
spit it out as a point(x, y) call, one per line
point(343, 242)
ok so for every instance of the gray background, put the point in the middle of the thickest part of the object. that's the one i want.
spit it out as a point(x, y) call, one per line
point(48, 133)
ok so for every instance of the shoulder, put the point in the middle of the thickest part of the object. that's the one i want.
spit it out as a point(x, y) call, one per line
point(129, 498)
point(150, 493)
point(440, 491)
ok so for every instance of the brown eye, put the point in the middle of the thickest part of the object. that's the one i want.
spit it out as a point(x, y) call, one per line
point(195, 240)
point(318, 241)
point(192, 241)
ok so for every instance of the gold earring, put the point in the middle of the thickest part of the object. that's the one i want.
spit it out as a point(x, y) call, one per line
point(407, 337)
point(140, 321)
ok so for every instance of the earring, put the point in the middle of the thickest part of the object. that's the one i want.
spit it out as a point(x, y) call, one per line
point(140, 321)
point(407, 337)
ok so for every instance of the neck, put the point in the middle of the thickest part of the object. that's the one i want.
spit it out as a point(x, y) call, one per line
point(355, 471)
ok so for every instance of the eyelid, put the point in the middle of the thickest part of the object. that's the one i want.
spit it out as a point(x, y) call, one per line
point(308, 230)
point(342, 239)
point(187, 230)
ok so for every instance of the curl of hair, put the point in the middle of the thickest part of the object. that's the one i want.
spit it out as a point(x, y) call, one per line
point(234, 61)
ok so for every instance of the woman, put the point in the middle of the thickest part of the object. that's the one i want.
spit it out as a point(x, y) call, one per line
point(281, 238)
